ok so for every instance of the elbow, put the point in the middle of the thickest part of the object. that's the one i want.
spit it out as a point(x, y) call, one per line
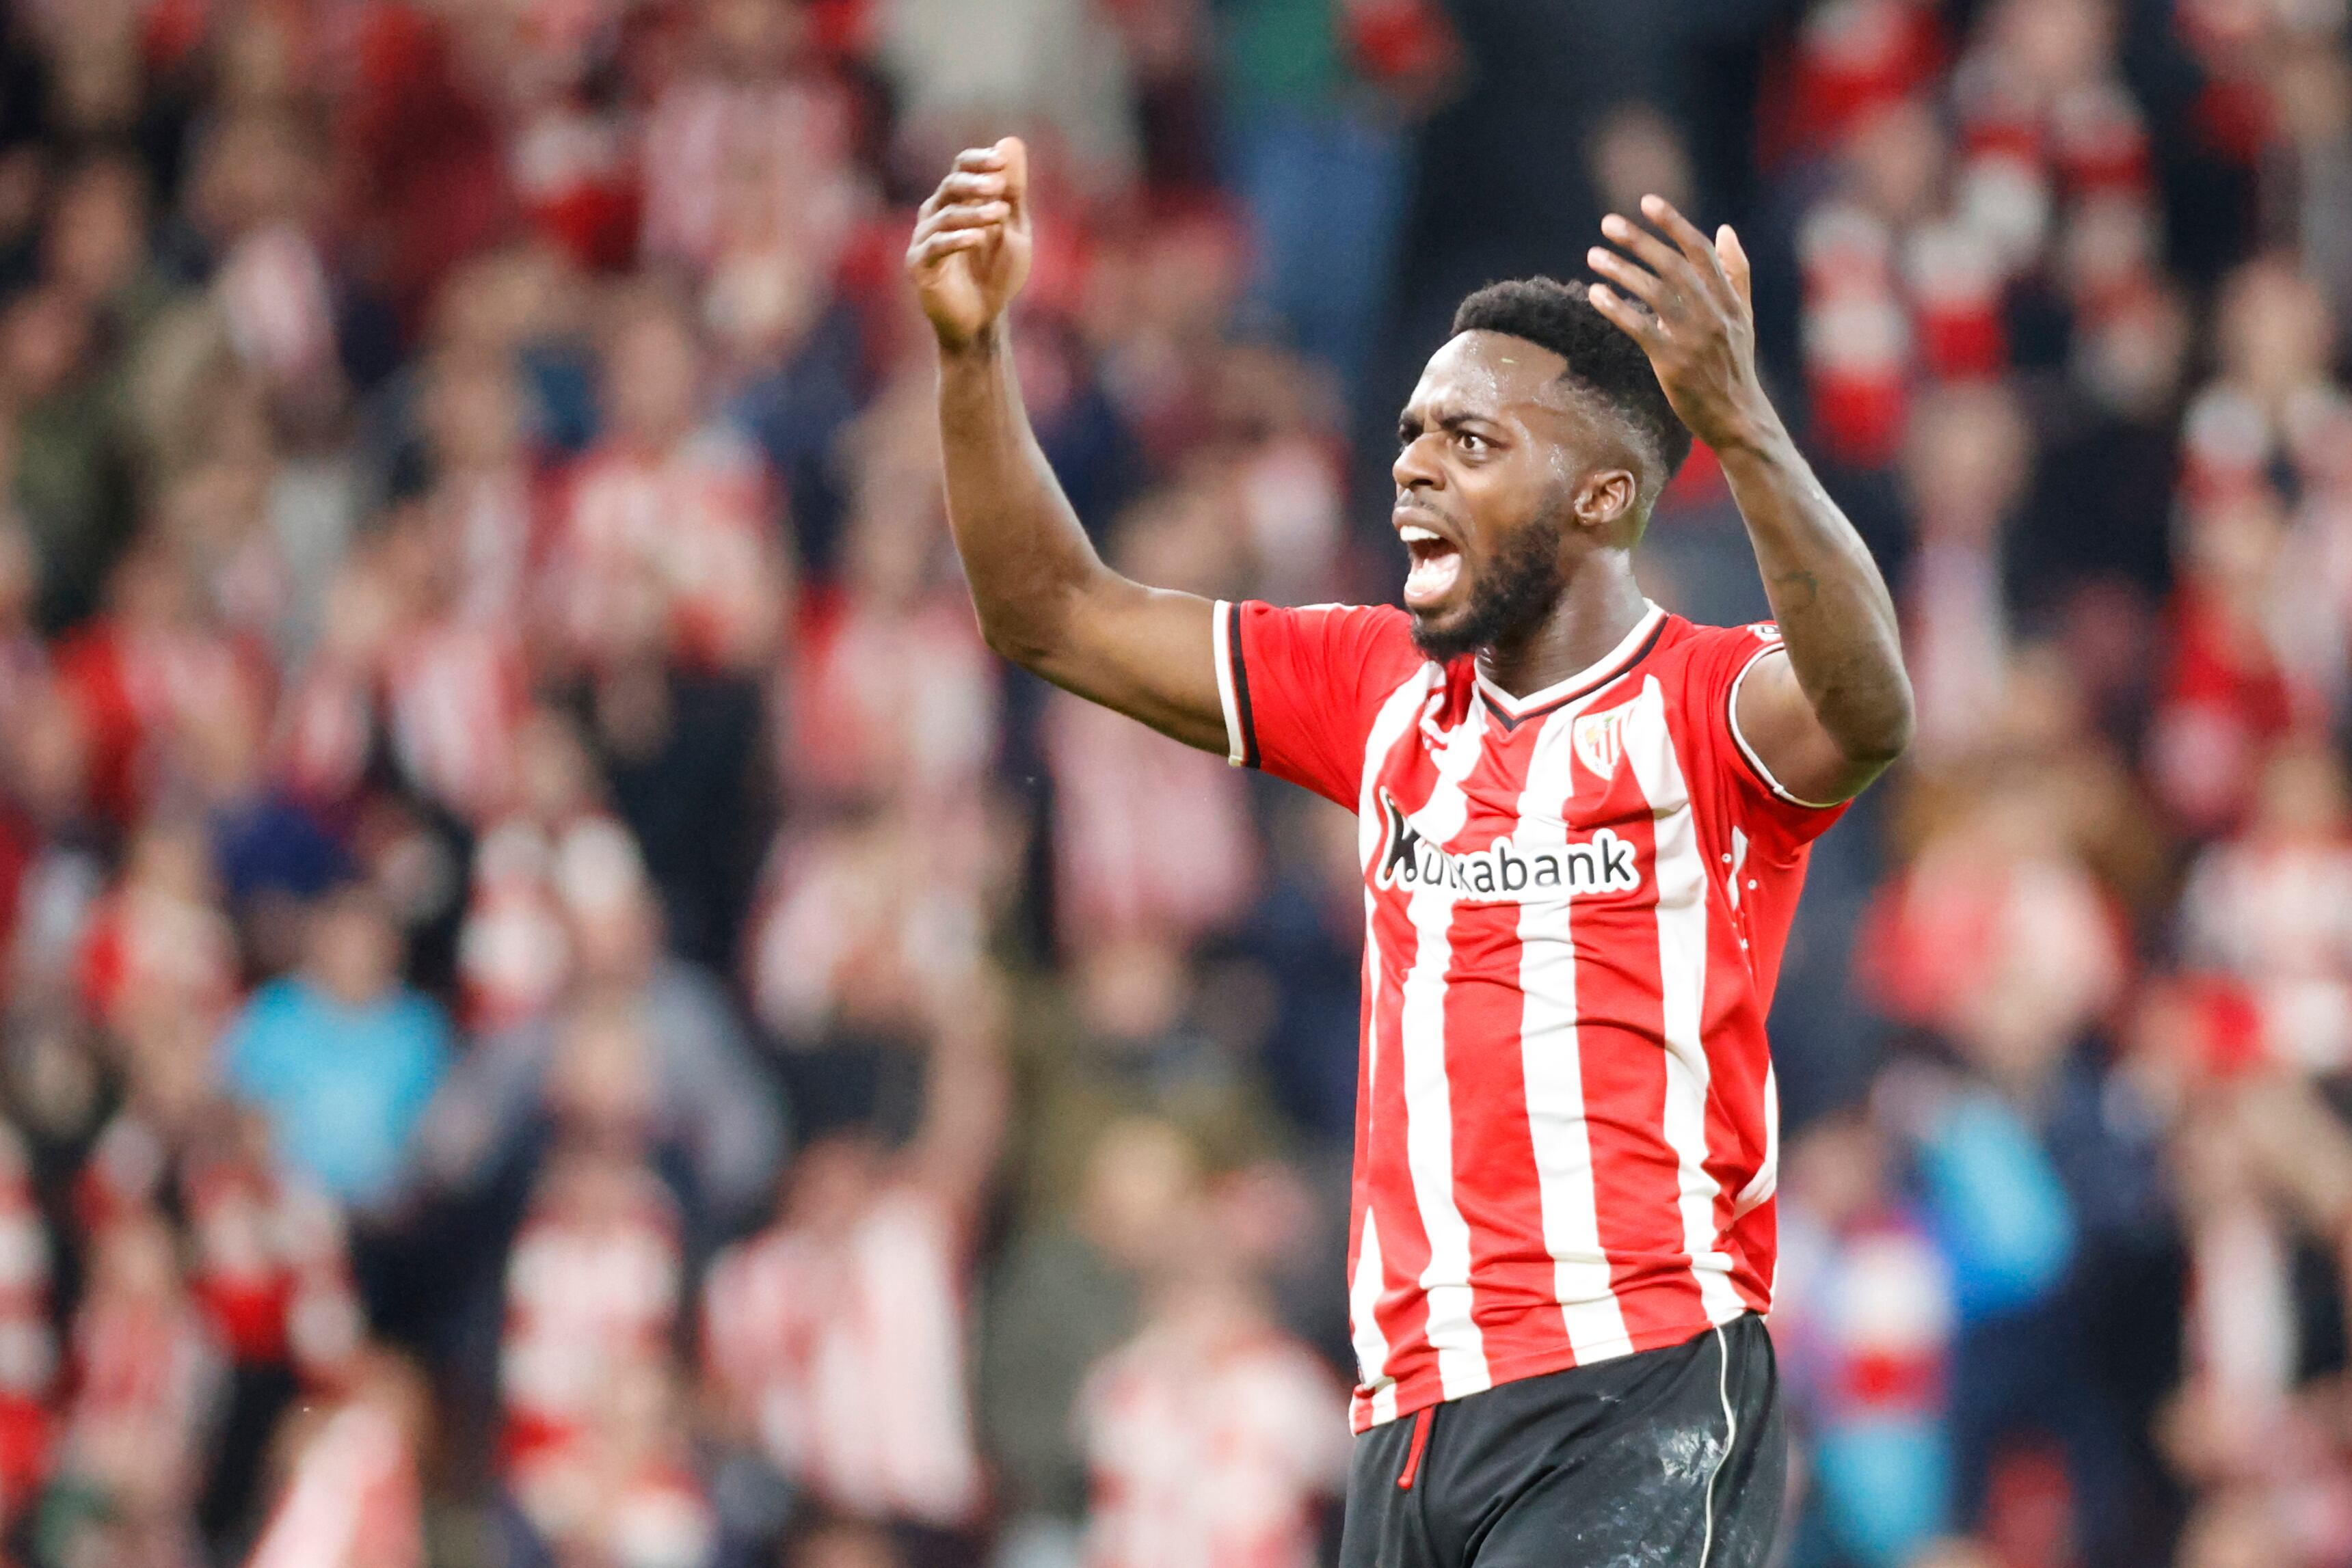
point(1887, 734)
point(1879, 751)
point(1011, 638)
point(1032, 628)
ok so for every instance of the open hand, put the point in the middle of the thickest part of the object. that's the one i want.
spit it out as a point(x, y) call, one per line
point(1699, 324)
point(971, 251)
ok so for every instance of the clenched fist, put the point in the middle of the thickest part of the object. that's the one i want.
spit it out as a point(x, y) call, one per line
point(971, 248)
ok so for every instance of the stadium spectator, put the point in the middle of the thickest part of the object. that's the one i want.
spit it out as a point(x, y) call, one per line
point(129, 1465)
point(1210, 1435)
point(342, 1058)
point(668, 506)
point(697, 1094)
point(1866, 1327)
point(834, 1339)
point(1065, 1295)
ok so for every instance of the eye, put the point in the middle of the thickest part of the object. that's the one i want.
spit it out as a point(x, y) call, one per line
point(1472, 442)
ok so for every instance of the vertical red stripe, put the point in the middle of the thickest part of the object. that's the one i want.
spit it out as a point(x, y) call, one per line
point(1737, 1057)
point(1755, 1248)
point(1731, 1022)
point(1619, 994)
point(1371, 985)
point(1409, 775)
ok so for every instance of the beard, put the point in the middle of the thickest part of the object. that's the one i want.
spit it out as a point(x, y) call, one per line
point(1510, 595)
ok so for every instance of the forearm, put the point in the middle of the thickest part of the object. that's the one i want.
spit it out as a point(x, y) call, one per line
point(1024, 554)
point(1046, 600)
point(1836, 616)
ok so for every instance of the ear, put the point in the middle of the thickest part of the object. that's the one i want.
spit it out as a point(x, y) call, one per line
point(1606, 499)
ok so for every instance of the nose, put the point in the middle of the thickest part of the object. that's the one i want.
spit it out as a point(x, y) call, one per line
point(1416, 465)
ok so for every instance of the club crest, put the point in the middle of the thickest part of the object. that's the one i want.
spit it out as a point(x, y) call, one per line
point(1600, 740)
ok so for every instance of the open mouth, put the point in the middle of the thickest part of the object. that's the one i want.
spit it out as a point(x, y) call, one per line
point(1436, 565)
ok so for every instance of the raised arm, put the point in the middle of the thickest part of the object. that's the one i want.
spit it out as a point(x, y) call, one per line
point(1829, 718)
point(1046, 600)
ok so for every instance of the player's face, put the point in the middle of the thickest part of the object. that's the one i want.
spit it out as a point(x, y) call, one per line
point(1492, 448)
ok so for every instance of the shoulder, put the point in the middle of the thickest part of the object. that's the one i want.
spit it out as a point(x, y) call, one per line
point(1360, 643)
point(1694, 639)
point(270, 1038)
point(1706, 664)
point(1374, 625)
point(275, 1004)
point(1301, 688)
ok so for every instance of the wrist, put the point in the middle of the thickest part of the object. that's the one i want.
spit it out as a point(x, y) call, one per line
point(981, 348)
point(1753, 434)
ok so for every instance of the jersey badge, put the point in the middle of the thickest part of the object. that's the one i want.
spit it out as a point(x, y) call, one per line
point(1600, 739)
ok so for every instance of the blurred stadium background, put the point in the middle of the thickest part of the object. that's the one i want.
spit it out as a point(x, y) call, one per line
point(560, 1010)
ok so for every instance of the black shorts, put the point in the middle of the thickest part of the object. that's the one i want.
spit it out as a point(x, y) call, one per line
point(1670, 1459)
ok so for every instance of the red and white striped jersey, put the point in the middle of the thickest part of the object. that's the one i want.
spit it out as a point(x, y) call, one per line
point(1575, 905)
point(1209, 1438)
point(847, 1352)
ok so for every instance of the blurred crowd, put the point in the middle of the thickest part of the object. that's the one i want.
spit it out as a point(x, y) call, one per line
point(561, 1010)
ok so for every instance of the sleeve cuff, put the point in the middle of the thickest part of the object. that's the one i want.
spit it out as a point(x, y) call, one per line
point(1233, 684)
point(1748, 752)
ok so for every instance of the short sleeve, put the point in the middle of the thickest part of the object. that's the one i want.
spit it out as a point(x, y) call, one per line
point(1302, 687)
point(1722, 667)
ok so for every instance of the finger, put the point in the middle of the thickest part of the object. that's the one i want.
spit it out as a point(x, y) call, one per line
point(944, 198)
point(1683, 232)
point(979, 215)
point(1734, 257)
point(1629, 318)
point(1642, 284)
point(981, 157)
point(930, 251)
point(965, 214)
point(1013, 154)
point(970, 187)
point(1672, 265)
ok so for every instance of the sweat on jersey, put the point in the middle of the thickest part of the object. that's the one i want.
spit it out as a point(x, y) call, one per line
point(1575, 900)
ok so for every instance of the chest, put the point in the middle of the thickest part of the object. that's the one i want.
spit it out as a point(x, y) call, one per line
point(1590, 803)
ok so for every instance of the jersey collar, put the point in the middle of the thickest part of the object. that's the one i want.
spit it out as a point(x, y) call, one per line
point(1591, 678)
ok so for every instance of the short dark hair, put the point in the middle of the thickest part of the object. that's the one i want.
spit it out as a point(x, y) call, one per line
point(1601, 359)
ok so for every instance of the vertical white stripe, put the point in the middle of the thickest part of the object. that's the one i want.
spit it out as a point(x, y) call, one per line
point(1396, 715)
point(1550, 1060)
point(1371, 1345)
point(1221, 650)
point(1395, 718)
point(1428, 1105)
point(1680, 868)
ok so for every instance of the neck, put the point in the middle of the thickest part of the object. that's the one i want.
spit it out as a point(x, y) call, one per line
point(1598, 606)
